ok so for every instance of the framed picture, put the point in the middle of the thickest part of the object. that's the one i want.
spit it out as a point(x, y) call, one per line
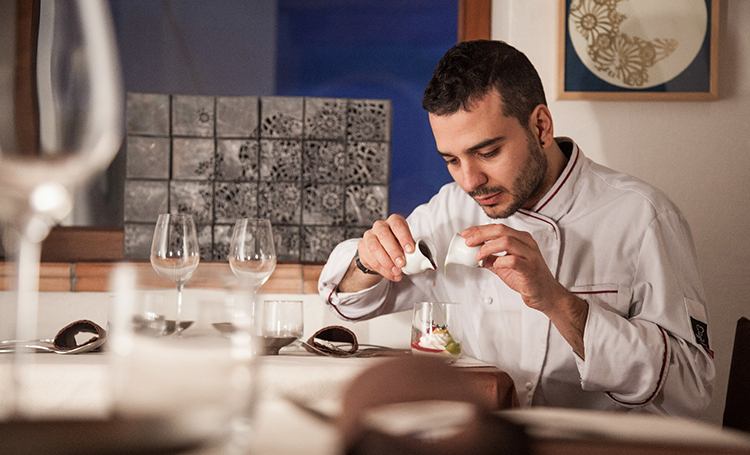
point(638, 50)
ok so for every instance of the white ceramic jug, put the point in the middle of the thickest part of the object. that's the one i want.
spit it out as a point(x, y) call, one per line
point(459, 253)
point(423, 258)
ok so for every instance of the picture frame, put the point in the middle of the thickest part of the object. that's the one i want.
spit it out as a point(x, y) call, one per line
point(638, 50)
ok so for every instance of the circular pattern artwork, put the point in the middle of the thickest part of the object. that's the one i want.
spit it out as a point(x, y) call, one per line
point(637, 43)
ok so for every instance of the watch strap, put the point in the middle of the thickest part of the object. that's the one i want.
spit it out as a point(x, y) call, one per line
point(361, 267)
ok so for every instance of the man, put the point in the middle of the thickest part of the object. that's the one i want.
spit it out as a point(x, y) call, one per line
point(589, 293)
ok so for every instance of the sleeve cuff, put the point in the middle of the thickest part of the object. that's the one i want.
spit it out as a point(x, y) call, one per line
point(350, 306)
point(626, 359)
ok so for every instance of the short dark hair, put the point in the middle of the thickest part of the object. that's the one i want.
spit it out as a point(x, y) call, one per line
point(469, 70)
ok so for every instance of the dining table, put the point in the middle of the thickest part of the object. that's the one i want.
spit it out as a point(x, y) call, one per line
point(298, 401)
point(297, 396)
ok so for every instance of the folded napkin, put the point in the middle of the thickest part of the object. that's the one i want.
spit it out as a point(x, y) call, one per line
point(338, 341)
point(66, 338)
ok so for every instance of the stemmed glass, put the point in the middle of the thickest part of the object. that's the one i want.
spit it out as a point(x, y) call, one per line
point(175, 255)
point(62, 124)
point(252, 258)
point(252, 255)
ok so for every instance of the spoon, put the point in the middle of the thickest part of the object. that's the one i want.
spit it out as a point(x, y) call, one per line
point(49, 346)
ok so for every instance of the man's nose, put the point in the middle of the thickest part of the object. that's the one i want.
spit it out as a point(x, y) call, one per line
point(474, 176)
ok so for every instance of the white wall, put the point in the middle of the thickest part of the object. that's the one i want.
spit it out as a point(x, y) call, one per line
point(697, 152)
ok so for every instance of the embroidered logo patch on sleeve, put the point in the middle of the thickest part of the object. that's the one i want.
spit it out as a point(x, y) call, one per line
point(700, 330)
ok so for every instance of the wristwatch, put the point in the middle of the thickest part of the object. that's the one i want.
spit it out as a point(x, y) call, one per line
point(361, 267)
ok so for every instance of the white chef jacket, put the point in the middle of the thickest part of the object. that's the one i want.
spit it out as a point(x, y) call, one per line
point(611, 239)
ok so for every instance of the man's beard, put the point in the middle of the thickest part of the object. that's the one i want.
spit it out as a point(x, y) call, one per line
point(527, 184)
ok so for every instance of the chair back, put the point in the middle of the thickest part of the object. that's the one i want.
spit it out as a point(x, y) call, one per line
point(737, 407)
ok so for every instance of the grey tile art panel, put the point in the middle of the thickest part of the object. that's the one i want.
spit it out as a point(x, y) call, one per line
point(365, 204)
point(325, 118)
point(193, 158)
point(280, 160)
point(205, 241)
point(193, 116)
point(237, 159)
point(369, 120)
point(192, 198)
point(147, 157)
point(280, 202)
point(237, 116)
point(287, 242)
point(319, 241)
point(147, 114)
point(282, 117)
point(323, 204)
point(325, 161)
point(137, 242)
point(368, 162)
point(222, 241)
point(235, 200)
point(145, 200)
point(318, 168)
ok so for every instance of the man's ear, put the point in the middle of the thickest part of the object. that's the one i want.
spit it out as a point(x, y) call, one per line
point(540, 125)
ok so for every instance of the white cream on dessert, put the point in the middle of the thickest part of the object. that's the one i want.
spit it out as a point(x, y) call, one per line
point(435, 340)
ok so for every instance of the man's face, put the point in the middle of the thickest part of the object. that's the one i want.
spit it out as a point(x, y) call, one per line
point(492, 157)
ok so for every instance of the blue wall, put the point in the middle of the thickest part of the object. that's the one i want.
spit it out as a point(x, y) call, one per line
point(336, 48)
point(373, 49)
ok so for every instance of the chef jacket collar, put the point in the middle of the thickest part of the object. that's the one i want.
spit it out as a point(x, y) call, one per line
point(558, 200)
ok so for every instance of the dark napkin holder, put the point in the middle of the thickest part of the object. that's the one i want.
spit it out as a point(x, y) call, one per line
point(66, 337)
point(332, 334)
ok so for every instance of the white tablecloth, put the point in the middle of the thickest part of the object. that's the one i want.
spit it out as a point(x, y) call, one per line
point(64, 386)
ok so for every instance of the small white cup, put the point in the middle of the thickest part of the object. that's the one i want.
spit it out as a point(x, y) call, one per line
point(283, 323)
point(424, 257)
point(460, 253)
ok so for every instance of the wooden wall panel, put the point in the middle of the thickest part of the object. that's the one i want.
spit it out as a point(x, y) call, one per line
point(474, 19)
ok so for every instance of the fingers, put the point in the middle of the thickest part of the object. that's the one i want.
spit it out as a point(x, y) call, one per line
point(401, 230)
point(507, 261)
point(477, 235)
point(382, 247)
point(499, 240)
point(373, 256)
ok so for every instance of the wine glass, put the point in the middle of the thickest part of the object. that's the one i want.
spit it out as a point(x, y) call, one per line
point(252, 258)
point(283, 323)
point(62, 111)
point(252, 255)
point(175, 255)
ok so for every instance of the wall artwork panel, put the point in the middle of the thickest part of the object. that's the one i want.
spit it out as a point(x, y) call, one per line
point(318, 168)
point(638, 50)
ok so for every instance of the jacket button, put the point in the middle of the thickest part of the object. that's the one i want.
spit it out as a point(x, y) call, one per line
point(488, 300)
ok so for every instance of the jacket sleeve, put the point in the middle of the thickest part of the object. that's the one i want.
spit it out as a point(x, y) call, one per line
point(382, 298)
point(658, 356)
point(434, 220)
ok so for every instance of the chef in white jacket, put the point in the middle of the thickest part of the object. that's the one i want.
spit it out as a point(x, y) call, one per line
point(589, 294)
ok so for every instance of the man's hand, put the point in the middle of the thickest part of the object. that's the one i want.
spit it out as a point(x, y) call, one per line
point(523, 269)
point(522, 265)
point(382, 247)
point(381, 250)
